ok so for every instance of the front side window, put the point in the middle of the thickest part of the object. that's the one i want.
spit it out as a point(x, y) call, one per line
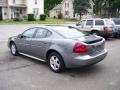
point(42, 33)
point(82, 23)
point(99, 22)
point(29, 33)
point(89, 22)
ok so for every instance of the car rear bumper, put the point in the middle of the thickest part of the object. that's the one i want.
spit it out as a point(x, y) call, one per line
point(117, 32)
point(86, 60)
point(107, 34)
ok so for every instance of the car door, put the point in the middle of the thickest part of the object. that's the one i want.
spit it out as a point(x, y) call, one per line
point(89, 25)
point(24, 40)
point(40, 43)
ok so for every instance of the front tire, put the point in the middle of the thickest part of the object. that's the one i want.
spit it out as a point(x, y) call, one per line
point(13, 49)
point(55, 62)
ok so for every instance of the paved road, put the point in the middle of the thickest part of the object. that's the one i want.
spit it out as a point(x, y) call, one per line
point(22, 73)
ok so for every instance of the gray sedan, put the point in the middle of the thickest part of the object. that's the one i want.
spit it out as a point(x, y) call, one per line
point(60, 46)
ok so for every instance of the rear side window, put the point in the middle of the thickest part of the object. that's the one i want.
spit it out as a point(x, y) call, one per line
point(89, 22)
point(99, 22)
point(42, 33)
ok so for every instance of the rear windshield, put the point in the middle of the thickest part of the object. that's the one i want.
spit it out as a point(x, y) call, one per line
point(70, 32)
point(117, 22)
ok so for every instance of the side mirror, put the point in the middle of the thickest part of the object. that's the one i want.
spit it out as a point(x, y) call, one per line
point(21, 36)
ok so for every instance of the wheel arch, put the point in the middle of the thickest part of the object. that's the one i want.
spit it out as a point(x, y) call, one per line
point(11, 43)
point(51, 51)
point(94, 30)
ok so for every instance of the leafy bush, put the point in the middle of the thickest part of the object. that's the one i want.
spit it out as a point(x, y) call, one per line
point(43, 17)
point(54, 17)
point(31, 17)
point(17, 19)
point(73, 19)
point(60, 16)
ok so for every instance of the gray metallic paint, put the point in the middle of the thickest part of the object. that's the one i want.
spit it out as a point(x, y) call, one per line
point(64, 46)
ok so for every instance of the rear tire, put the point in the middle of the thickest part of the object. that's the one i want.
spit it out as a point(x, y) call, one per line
point(95, 33)
point(55, 62)
point(13, 49)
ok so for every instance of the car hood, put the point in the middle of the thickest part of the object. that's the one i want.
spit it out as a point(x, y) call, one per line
point(90, 39)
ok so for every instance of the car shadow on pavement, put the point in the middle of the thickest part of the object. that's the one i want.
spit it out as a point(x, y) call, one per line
point(112, 39)
point(32, 60)
point(84, 71)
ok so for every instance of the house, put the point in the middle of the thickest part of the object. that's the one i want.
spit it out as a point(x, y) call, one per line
point(10, 9)
point(66, 8)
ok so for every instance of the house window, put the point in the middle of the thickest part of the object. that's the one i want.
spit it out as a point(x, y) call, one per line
point(36, 1)
point(36, 11)
point(68, 5)
point(65, 5)
point(14, 1)
point(21, 10)
point(66, 12)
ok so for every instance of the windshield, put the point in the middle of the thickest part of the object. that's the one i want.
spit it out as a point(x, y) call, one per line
point(117, 21)
point(70, 32)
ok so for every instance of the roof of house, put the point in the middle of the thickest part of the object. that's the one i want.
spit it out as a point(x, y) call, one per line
point(18, 5)
point(58, 7)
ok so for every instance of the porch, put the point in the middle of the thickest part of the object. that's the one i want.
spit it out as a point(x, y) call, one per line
point(13, 12)
point(18, 11)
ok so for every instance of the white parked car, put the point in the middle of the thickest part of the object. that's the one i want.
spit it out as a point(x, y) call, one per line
point(101, 27)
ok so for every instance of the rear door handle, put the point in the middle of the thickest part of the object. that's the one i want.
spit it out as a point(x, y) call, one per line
point(44, 42)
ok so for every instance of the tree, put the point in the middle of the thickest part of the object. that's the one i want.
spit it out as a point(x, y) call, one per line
point(110, 7)
point(81, 7)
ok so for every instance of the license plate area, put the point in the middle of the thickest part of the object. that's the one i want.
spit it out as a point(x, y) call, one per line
point(95, 49)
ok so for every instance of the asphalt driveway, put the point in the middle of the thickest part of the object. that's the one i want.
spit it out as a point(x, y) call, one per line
point(22, 73)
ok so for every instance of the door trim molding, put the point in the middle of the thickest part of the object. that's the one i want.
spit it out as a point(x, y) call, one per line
point(32, 57)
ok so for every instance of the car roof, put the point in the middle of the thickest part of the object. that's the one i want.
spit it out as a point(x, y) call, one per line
point(115, 18)
point(51, 27)
point(95, 19)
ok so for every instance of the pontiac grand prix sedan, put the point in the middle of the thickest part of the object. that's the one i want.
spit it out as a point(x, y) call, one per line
point(59, 46)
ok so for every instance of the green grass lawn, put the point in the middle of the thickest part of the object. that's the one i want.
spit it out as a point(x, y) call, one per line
point(47, 21)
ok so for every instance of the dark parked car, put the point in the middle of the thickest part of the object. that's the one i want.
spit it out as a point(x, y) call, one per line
point(116, 22)
point(60, 46)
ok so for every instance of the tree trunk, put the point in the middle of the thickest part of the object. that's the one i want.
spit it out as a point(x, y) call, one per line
point(80, 16)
